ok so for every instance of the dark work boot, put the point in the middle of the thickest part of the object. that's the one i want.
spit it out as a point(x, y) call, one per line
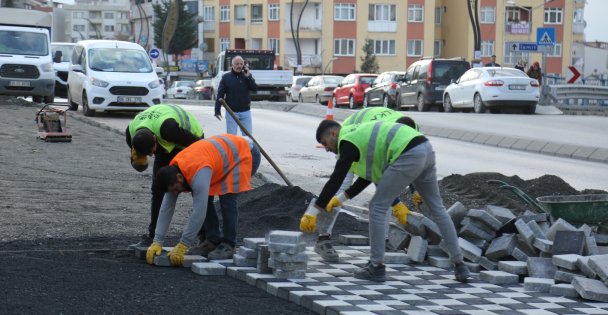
point(461, 272)
point(145, 241)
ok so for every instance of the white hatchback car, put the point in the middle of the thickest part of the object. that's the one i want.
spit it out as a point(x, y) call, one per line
point(180, 89)
point(293, 92)
point(112, 75)
point(493, 88)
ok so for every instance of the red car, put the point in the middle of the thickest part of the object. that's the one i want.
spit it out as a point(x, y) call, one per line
point(350, 91)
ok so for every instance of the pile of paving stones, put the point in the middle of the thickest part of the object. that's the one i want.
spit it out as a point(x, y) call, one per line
point(547, 255)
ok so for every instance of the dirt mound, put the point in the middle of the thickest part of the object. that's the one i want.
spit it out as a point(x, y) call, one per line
point(14, 100)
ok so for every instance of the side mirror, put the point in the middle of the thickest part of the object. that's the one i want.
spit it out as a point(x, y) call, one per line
point(58, 56)
point(76, 68)
point(339, 84)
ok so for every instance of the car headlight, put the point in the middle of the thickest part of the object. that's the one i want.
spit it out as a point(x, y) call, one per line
point(99, 83)
point(154, 84)
point(47, 67)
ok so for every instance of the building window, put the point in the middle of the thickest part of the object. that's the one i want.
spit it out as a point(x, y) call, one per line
point(317, 11)
point(123, 15)
point(554, 51)
point(512, 15)
point(108, 15)
point(108, 28)
point(382, 12)
point(208, 14)
point(125, 28)
point(383, 47)
point(415, 13)
point(77, 28)
point(224, 14)
point(78, 15)
point(414, 47)
point(488, 15)
point(344, 47)
point(273, 12)
point(438, 15)
point(437, 48)
point(579, 16)
point(257, 15)
point(240, 12)
point(554, 15)
point(487, 48)
point(224, 44)
point(94, 15)
point(273, 44)
point(344, 12)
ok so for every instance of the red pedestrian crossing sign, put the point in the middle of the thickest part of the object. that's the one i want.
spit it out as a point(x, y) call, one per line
point(545, 36)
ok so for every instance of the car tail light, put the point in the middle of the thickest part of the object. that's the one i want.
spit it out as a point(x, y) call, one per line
point(328, 89)
point(206, 89)
point(429, 74)
point(494, 83)
point(394, 86)
point(534, 83)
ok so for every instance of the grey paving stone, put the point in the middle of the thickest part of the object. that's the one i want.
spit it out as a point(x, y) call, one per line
point(287, 248)
point(483, 244)
point(353, 240)
point(569, 242)
point(208, 269)
point(397, 236)
point(519, 268)
point(253, 242)
point(472, 228)
point(498, 277)
point(519, 255)
point(481, 138)
point(507, 142)
point(536, 145)
point(601, 239)
point(599, 264)
point(543, 245)
point(247, 252)
point(501, 247)
point(559, 225)
point(583, 265)
point(532, 216)
point(525, 233)
point(262, 259)
point(286, 266)
point(591, 246)
point(241, 261)
point(527, 248)
point(140, 252)
point(414, 225)
point(284, 237)
point(396, 258)
point(416, 251)
point(457, 212)
point(162, 260)
point(285, 257)
point(473, 267)
point(504, 215)
point(538, 232)
point(551, 148)
point(436, 250)
point(494, 140)
point(564, 289)
point(469, 250)
point(566, 276)
point(521, 144)
point(485, 217)
point(567, 261)
point(432, 230)
point(292, 274)
point(541, 268)
point(591, 289)
point(538, 284)
point(567, 150)
point(487, 264)
point(586, 228)
point(440, 262)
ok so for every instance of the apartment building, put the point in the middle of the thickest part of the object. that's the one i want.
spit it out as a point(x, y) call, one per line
point(98, 19)
point(332, 33)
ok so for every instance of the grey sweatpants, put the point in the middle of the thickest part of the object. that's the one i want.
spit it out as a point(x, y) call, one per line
point(416, 166)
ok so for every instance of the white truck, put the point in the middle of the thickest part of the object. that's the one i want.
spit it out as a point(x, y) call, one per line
point(271, 83)
point(26, 61)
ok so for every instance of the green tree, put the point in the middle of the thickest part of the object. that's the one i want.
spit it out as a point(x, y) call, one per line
point(369, 64)
point(185, 36)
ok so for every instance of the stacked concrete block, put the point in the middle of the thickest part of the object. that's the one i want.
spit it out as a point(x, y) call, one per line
point(498, 277)
point(353, 240)
point(208, 269)
point(416, 251)
point(591, 289)
point(538, 284)
point(569, 242)
point(501, 247)
point(457, 212)
point(504, 215)
point(287, 257)
point(519, 268)
point(559, 225)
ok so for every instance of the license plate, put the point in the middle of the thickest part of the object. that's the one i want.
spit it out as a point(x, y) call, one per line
point(19, 83)
point(440, 88)
point(129, 99)
point(263, 92)
point(517, 87)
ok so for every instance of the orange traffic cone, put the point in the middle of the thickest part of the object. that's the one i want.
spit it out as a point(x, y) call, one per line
point(330, 109)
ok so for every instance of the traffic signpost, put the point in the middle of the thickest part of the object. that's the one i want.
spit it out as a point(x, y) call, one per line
point(545, 36)
point(572, 75)
point(522, 46)
point(154, 53)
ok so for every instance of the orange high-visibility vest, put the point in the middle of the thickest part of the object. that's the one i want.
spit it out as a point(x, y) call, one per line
point(229, 158)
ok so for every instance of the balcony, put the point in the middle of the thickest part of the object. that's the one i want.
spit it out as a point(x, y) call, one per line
point(308, 60)
point(579, 27)
point(518, 28)
point(209, 27)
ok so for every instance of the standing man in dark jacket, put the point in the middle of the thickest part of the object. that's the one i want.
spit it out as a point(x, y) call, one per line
point(234, 89)
point(493, 62)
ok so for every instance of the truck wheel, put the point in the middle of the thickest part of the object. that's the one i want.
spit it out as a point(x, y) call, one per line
point(85, 106)
point(73, 106)
point(37, 99)
point(49, 99)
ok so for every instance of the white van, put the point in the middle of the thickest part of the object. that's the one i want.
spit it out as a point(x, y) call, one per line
point(111, 75)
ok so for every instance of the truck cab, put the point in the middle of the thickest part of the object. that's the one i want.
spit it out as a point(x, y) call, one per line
point(271, 83)
point(26, 62)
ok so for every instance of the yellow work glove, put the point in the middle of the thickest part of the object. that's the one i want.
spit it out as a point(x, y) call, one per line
point(308, 223)
point(154, 250)
point(138, 161)
point(176, 255)
point(400, 211)
point(336, 201)
point(416, 199)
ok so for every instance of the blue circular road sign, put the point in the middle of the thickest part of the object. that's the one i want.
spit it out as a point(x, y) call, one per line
point(154, 53)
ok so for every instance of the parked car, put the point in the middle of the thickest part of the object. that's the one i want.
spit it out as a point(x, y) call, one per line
point(350, 91)
point(425, 81)
point(383, 90)
point(180, 89)
point(319, 89)
point(62, 53)
point(202, 90)
point(112, 75)
point(493, 88)
point(293, 92)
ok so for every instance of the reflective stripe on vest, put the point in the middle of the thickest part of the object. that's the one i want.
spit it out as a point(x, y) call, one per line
point(183, 117)
point(226, 164)
point(373, 114)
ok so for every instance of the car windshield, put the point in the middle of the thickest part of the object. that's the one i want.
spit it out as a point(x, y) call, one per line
point(444, 72)
point(302, 81)
point(23, 43)
point(119, 60)
point(507, 73)
point(399, 77)
point(332, 80)
point(66, 51)
point(367, 80)
point(184, 83)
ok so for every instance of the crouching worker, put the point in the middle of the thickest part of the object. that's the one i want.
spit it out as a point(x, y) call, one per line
point(217, 166)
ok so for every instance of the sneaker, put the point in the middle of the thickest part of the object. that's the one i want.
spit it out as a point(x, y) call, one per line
point(326, 251)
point(371, 272)
point(203, 248)
point(461, 272)
point(146, 241)
point(223, 251)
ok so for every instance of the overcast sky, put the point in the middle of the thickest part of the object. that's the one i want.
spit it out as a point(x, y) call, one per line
point(595, 15)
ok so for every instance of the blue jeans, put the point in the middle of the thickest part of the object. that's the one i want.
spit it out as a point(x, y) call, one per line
point(244, 117)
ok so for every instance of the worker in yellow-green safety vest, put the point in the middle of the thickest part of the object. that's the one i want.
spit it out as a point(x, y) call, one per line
point(323, 246)
point(392, 156)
